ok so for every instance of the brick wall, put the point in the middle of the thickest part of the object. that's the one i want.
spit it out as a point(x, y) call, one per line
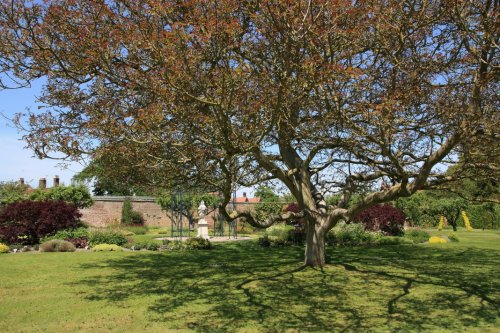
point(108, 210)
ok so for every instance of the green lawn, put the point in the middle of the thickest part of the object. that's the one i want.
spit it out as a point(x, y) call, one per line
point(241, 287)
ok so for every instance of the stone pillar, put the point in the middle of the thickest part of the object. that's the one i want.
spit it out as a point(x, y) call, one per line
point(21, 181)
point(202, 223)
point(56, 181)
point(42, 184)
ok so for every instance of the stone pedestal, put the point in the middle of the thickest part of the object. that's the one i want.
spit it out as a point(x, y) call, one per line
point(203, 229)
point(202, 223)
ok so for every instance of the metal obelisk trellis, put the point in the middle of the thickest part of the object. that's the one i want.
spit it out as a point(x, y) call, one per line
point(219, 222)
point(180, 211)
point(178, 216)
point(233, 224)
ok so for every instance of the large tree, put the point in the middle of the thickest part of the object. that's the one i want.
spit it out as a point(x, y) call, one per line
point(318, 95)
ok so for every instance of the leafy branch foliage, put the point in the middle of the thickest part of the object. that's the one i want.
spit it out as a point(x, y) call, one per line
point(424, 209)
point(268, 203)
point(77, 195)
point(187, 203)
point(12, 191)
point(106, 182)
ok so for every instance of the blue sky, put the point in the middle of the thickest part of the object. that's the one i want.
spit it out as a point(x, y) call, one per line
point(15, 160)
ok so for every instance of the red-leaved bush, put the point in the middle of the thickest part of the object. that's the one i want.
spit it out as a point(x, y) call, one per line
point(25, 222)
point(78, 242)
point(298, 234)
point(385, 218)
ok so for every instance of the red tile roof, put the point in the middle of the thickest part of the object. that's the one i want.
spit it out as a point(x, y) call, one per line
point(246, 200)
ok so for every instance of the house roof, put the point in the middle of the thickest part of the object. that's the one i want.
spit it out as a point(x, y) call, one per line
point(246, 200)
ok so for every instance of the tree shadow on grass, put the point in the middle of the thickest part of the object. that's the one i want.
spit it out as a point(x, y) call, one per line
point(444, 288)
point(242, 286)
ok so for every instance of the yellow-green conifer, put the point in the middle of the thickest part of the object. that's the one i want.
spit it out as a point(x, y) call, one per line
point(441, 223)
point(468, 226)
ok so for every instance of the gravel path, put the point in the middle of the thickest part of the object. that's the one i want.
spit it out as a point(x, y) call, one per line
point(212, 239)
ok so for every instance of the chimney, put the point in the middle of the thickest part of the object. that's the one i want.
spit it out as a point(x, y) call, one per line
point(56, 181)
point(21, 181)
point(42, 184)
point(244, 194)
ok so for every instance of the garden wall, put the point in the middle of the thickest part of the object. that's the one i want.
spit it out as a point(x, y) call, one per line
point(107, 211)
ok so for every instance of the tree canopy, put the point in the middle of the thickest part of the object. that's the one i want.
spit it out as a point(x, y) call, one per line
point(12, 191)
point(106, 182)
point(77, 195)
point(319, 96)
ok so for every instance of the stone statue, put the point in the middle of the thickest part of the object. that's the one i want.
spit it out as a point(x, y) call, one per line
point(202, 210)
point(202, 223)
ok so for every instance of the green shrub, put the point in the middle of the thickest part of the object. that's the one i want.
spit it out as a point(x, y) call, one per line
point(4, 248)
point(27, 248)
point(23, 248)
point(79, 237)
point(272, 241)
point(147, 245)
point(264, 241)
point(278, 241)
point(107, 248)
point(17, 247)
point(351, 234)
point(129, 216)
point(277, 235)
point(107, 237)
point(279, 231)
point(485, 215)
point(68, 233)
point(57, 245)
point(162, 232)
point(173, 245)
point(417, 235)
point(136, 230)
point(427, 220)
point(453, 238)
point(189, 244)
point(197, 243)
point(127, 233)
point(136, 218)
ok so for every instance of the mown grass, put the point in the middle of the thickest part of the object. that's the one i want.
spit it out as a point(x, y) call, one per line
point(239, 287)
point(486, 239)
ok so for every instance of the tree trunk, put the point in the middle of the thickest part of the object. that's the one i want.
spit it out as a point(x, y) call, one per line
point(454, 220)
point(315, 246)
